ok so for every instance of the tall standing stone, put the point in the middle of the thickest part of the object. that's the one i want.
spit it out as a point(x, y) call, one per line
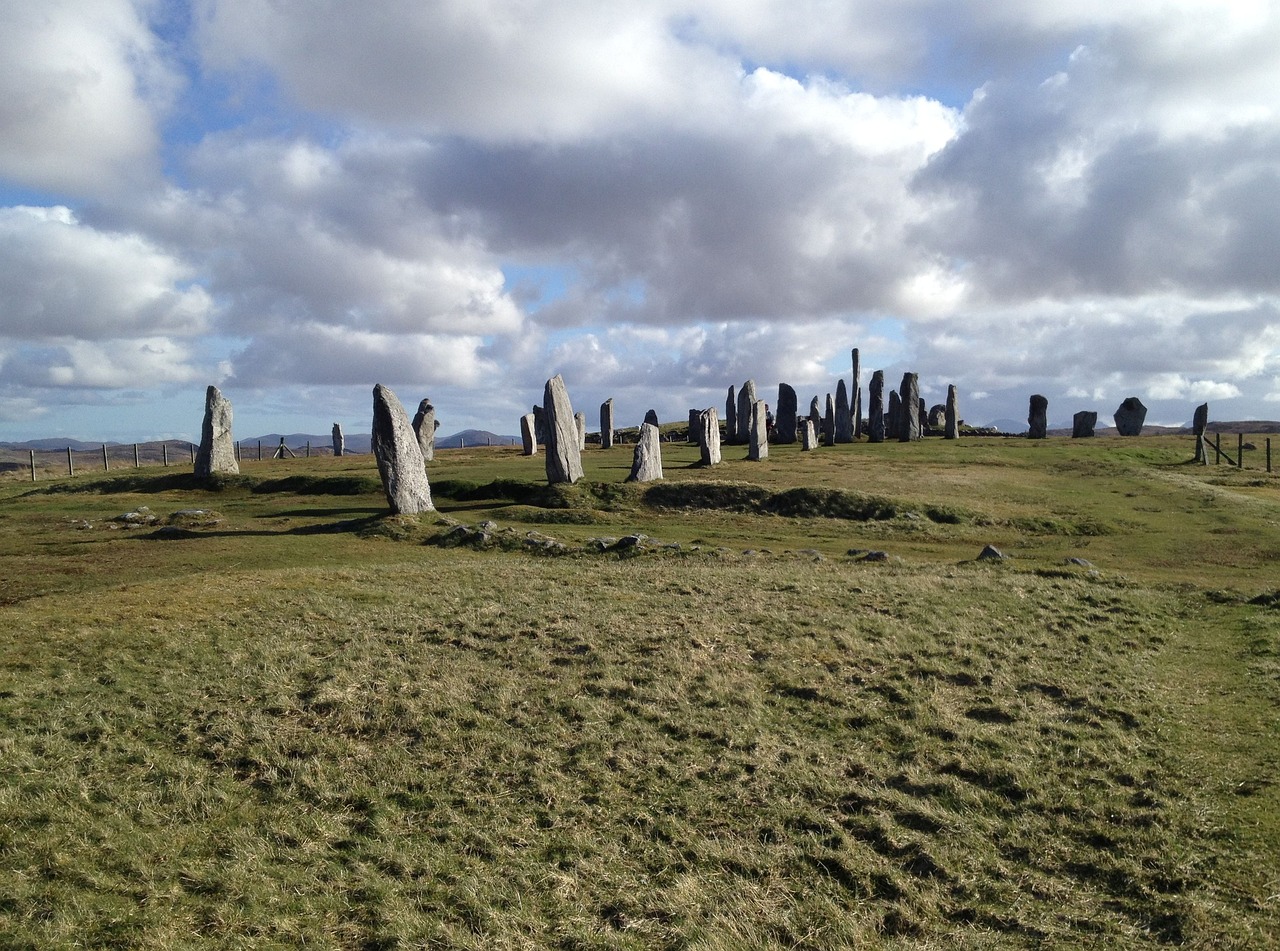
point(646, 463)
point(829, 423)
point(893, 418)
point(399, 457)
point(540, 425)
point(815, 416)
point(564, 459)
point(528, 435)
point(580, 423)
point(217, 452)
point(758, 437)
point(844, 414)
point(1199, 423)
point(808, 435)
point(951, 415)
point(746, 403)
point(606, 424)
point(785, 422)
point(857, 394)
point(709, 437)
point(1037, 417)
point(694, 423)
point(1082, 424)
point(731, 416)
point(339, 444)
point(424, 426)
point(909, 394)
point(875, 407)
point(1130, 416)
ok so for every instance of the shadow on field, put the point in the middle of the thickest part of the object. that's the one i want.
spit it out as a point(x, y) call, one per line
point(354, 526)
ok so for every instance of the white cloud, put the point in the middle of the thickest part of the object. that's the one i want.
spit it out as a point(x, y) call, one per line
point(103, 364)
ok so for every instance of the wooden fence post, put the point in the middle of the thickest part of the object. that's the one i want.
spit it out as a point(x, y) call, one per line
point(164, 450)
point(33, 464)
point(71, 469)
point(1239, 450)
point(259, 450)
point(105, 467)
point(1268, 453)
point(193, 452)
point(135, 456)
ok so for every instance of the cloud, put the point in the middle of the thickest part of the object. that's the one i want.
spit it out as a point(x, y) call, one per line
point(103, 364)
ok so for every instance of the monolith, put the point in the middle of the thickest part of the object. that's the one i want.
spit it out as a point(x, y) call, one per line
point(646, 463)
point(1037, 417)
point(709, 437)
point(951, 415)
point(829, 422)
point(651, 417)
point(339, 444)
point(399, 457)
point(694, 423)
point(606, 424)
point(1199, 423)
point(1082, 424)
point(815, 416)
point(424, 426)
point(857, 394)
point(808, 435)
point(785, 421)
point(1130, 416)
point(937, 416)
point(843, 414)
point(528, 435)
point(758, 436)
point(746, 403)
point(893, 417)
point(909, 394)
point(217, 452)
point(564, 459)
point(875, 407)
point(580, 423)
point(731, 416)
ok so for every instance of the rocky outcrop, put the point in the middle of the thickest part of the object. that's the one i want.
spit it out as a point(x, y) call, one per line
point(564, 458)
point(399, 457)
point(217, 452)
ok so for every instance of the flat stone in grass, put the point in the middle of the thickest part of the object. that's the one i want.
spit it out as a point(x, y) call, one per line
point(564, 458)
point(217, 452)
point(990, 553)
point(399, 457)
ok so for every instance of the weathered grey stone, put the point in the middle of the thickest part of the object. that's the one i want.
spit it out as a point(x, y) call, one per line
point(1082, 424)
point(829, 422)
point(709, 437)
point(217, 452)
point(746, 402)
point(990, 553)
point(936, 418)
point(785, 422)
point(731, 417)
point(815, 416)
point(843, 414)
point(808, 435)
point(646, 463)
point(580, 421)
point(606, 424)
point(951, 415)
point(424, 426)
point(694, 424)
point(857, 394)
point(1130, 416)
point(564, 459)
point(893, 418)
point(758, 436)
point(651, 417)
point(909, 394)
point(339, 444)
point(875, 407)
point(1199, 423)
point(528, 435)
point(399, 457)
point(540, 425)
point(1037, 417)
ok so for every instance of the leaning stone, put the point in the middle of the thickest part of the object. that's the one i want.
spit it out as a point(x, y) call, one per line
point(785, 424)
point(758, 436)
point(399, 457)
point(564, 458)
point(1082, 424)
point(875, 407)
point(746, 400)
point(339, 444)
point(731, 416)
point(528, 435)
point(217, 451)
point(1130, 416)
point(606, 424)
point(990, 553)
point(808, 436)
point(951, 414)
point(1038, 417)
point(424, 425)
point(709, 437)
point(646, 464)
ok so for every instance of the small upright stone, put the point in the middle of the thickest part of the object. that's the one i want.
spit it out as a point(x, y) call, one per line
point(580, 422)
point(1130, 416)
point(339, 444)
point(951, 414)
point(746, 403)
point(1082, 424)
point(1038, 417)
point(758, 438)
point(875, 407)
point(731, 416)
point(606, 424)
point(217, 452)
point(564, 459)
point(528, 435)
point(808, 435)
point(844, 414)
point(424, 425)
point(709, 437)
point(646, 463)
point(785, 424)
point(399, 457)
point(909, 394)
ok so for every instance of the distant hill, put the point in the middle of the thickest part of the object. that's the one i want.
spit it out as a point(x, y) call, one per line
point(359, 442)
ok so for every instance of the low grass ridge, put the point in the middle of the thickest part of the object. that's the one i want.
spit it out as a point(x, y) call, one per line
point(800, 502)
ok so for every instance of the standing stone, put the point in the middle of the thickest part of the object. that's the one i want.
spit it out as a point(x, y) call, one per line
point(646, 463)
point(217, 452)
point(1199, 423)
point(528, 435)
point(694, 424)
point(651, 417)
point(808, 435)
point(937, 416)
point(540, 424)
point(424, 425)
point(709, 437)
point(844, 414)
point(580, 421)
point(875, 408)
point(758, 437)
point(785, 425)
point(1038, 417)
point(857, 394)
point(951, 415)
point(1130, 416)
point(815, 416)
point(923, 415)
point(399, 457)
point(746, 403)
point(829, 423)
point(893, 418)
point(731, 416)
point(564, 460)
point(339, 444)
point(1082, 424)
point(606, 424)
point(909, 394)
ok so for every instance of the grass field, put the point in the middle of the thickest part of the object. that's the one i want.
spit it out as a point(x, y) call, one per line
point(263, 713)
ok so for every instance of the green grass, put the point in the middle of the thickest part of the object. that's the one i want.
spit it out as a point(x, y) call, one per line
point(295, 721)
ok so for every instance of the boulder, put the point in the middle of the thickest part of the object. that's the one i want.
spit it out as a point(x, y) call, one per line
point(1130, 416)
point(217, 452)
point(424, 425)
point(1082, 424)
point(606, 424)
point(875, 407)
point(709, 437)
point(951, 414)
point(646, 463)
point(399, 457)
point(1038, 417)
point(339, 444)
point(528, 435)
point(758, 435)
point(785, 424)
point(564, 459)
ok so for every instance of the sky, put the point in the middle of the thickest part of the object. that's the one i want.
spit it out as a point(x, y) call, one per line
point(656, 199)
